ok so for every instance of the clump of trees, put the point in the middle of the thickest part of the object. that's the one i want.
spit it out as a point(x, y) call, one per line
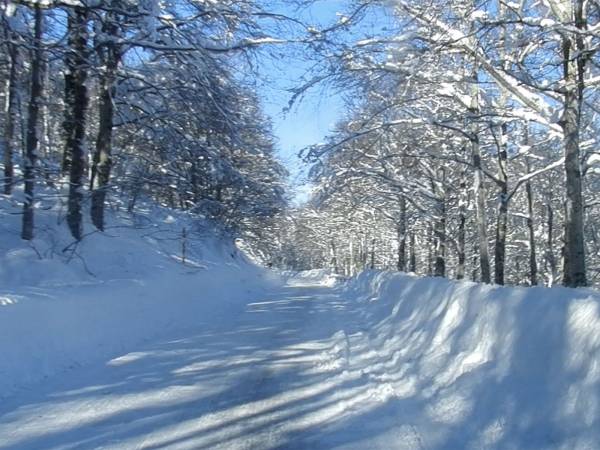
point(470, 148)
point(138, 99)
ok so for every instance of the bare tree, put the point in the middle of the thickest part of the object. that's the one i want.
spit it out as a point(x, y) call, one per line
point(32, 140)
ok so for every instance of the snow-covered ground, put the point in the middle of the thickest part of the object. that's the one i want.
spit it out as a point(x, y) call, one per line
point(467, 366)
point(383, 361)
point(63, 305)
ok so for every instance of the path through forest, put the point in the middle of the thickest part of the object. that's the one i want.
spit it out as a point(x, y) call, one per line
point(270, 378)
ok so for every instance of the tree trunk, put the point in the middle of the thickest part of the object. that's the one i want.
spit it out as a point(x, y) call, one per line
point(574, 62)
point(502, 219)
point(351, 260)
point(413, 256)
point(333, 255)
point(475, 271)
point(533, 269)
point(549, 257)
point(364, 252)
point(532, 251)
point(10, 109)
point(372, 264)
point(402, 236)
point(440, 229)
point(76, 105)
point(110, 54)
point(68, 125)
point(430, 249)
point(574, 249)
point(462, 221)
point(478, 187)
point(32, 140)
point(484, 258)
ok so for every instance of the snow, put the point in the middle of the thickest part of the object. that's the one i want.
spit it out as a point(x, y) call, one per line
point(593, 159)
point(547, 23)
point(472, 366)
point(60, 310)
point(322, 277)
point(478, 15)
point(381, 361)
point(262, 41)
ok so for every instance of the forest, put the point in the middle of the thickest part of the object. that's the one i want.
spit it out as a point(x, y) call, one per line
point(468, 147)
point(106, 103)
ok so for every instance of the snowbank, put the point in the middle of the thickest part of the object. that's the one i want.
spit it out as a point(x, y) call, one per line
point(467, 366)
point(60, 309)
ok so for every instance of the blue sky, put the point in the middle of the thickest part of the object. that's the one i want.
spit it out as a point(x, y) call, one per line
point(311, 119)
point(307, 123)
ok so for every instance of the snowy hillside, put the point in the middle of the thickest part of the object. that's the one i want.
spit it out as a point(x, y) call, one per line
point(64, 304)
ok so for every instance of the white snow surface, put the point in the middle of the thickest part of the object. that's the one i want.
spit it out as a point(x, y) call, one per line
point(382, 361)
point(61, 310)
point(322, 277)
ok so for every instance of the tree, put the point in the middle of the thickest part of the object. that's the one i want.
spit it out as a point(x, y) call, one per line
point(109, 53)
point(32, 127)
point(76, 102)
point(10, 103)
point(467, 69)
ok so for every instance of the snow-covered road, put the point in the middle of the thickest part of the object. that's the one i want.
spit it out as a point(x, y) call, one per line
point(261, 381)
point(384, 361)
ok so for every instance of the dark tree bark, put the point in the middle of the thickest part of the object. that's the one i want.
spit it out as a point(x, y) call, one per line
point(402, 236)
point(10, 110)
point(440, 228)
point(549, 254)
point(31, 146)
point(475, 272)
point(533, 269)
point(413, 256)
point(110, 56)
point(478, 186)
point(76, 105)
point(574, 58)
point(502, 219)
point(372, 264)
point(430, 249)
point(462, 222)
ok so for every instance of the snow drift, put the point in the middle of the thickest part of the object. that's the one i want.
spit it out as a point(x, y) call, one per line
point(468, 366)
point(63, 305)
